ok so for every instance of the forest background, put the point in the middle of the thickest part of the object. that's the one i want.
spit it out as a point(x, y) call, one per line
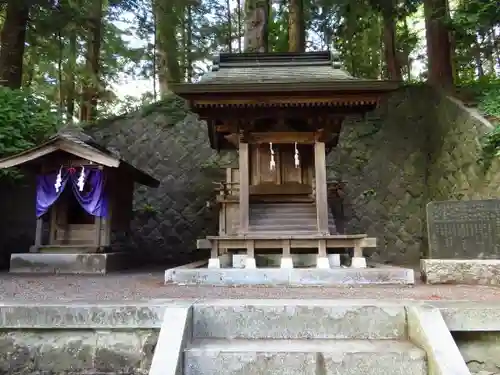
point(85, 60)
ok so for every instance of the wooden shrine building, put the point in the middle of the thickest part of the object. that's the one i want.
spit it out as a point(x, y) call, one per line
point(283, 112)
point(84, 194)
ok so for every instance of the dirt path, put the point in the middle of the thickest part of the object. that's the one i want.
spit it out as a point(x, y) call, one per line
point(148, 285)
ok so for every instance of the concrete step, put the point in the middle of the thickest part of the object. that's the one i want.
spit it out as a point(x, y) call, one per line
point(283, 208)
point(292, 219)
point(295, 319)
point(281, 227)
point(304, 357)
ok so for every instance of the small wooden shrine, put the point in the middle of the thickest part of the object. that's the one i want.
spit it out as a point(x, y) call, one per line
point(84, 193)
point(283, 112)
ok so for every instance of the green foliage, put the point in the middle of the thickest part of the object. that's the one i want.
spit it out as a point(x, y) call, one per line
point(174, 107)
point(489, 103)
point(490, 148)
point(25, 121)
point(488, 97)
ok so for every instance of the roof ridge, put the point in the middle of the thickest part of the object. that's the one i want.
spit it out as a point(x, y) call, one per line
point(270, 59)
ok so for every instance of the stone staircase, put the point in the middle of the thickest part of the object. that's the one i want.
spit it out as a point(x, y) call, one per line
point(295, 218)
point(238, 338)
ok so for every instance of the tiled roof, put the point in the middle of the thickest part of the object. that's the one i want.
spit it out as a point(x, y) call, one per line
point(275, 67)
point(75, 134)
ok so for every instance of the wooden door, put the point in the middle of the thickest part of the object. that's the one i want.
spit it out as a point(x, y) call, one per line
point(285, 178)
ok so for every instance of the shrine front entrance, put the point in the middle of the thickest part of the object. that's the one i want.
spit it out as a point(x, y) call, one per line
point(281, 173)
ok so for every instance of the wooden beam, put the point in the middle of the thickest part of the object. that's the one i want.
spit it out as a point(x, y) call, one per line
point(282, 137)
point(305, 138)
point(321, 189)
point(270, 100)
point(249, 113)
point(244, 186)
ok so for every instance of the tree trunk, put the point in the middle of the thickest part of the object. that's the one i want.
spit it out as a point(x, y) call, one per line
point(477, 57)
point(229, 27)
point(238, 13)
point(31, 64)
point(13, 37)
point(70, 76)
point(257, 25)
point(92, 87)
point(391, 58)
point(169, 70)
point(296, 26)
point(189, 53)
point(438, 43)
point(155, 57)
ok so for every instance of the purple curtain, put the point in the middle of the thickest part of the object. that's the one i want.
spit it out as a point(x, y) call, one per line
point(93, 199)
point(46, 193)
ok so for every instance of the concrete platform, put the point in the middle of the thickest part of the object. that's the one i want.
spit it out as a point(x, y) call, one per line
point(60, 263)
point(461, 271)
point(293, 277)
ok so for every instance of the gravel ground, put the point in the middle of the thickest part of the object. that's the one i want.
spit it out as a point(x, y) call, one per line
point(147, 285)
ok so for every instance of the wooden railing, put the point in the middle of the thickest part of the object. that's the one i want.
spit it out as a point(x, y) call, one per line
point(230, 190)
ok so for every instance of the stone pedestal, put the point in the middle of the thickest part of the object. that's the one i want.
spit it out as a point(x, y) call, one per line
point(334, 260)
point(239, 260)
point(250, 263)
point(213, 263)
point(286, 262)
point(358, 262)
point(323, 263)
point(68, 263)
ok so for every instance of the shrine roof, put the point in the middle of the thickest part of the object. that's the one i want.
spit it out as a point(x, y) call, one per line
point(275, 67)
point(76, 142)
point(280, 71)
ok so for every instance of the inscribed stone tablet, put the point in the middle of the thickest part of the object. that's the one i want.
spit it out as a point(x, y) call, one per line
point(464, 229)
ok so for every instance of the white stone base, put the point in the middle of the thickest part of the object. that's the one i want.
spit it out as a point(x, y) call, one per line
point(358, 262)
point(323, 263)
point(334, 260)
point(214, 263)
point(239, 260)
point(250, 263)
point(286, 262)
point(292, 277)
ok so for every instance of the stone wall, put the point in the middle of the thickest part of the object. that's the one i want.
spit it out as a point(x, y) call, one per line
point(455, 172)
point(79, 338)
point(417, 147)
point(83, 351)
point(383, 160)
point(169, 219)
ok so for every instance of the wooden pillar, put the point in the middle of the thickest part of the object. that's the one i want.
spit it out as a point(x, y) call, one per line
point(98, 227)
point(250, 259)
point(38, 236)
point(214, 261)
point(244, 185)
point(286, 257)
point(320, 183)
